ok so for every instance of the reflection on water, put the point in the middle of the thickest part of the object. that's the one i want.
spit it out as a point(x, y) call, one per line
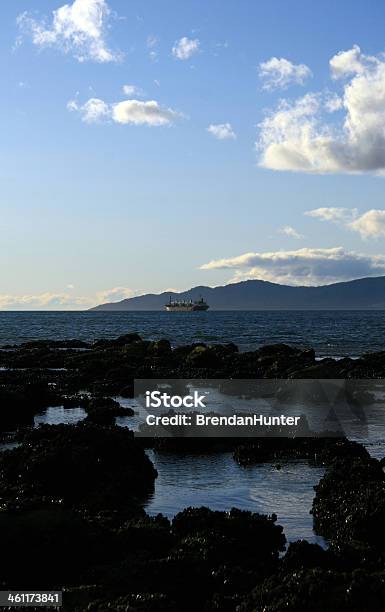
point(218, 482)
point(58, 414)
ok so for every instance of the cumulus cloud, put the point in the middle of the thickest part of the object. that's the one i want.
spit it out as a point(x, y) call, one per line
point(297, 136)
point(291, 232)
point(279, 73)
point(222, 131)
point(127, 112)
point(370, 224)
point(308, 266)
point(350, 62)
point(185, 47)
point(78, 28)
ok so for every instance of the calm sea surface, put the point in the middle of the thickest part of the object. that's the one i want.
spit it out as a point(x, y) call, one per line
point(330, 333)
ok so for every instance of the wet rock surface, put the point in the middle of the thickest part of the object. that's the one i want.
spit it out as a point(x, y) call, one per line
point(39, 374)
point(349, 505)
point(71, 496)
point(79, 466)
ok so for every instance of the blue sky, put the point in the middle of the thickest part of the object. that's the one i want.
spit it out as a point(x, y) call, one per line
point(239, 147)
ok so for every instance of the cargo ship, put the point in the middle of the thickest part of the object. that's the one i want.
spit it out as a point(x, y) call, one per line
point(186, 305)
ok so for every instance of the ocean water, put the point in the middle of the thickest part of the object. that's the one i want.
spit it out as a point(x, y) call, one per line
point(330, 333)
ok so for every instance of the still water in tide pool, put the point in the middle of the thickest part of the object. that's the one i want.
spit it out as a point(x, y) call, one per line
point(218, 482)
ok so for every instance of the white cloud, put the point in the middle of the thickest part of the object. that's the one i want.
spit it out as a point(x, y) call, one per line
point(308, 266)
point(43, 300)
point(349, 62)
point(93, 111)
point(128, 112)
point(132, 90)
point(370, 224)
point(78, 28)
point(291, 232)
point(333, 103)
point(297, 137)
point(57, 301)
point(334, 214)
point(143, 113)
point(222, 131)
point(116, 294)
point(185, 47)
point(279, 73)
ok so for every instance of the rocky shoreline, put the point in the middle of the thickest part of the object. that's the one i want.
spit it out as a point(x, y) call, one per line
point(72, 496)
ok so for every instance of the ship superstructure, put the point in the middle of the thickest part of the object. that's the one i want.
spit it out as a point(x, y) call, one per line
point(186, 305)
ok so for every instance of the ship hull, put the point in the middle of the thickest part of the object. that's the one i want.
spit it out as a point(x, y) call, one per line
point(194, 308)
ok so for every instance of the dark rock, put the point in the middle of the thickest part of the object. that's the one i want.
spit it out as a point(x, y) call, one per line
point(238, 537)
point(203, 357)
point(116, 342)
point(350, 502)
point(15, 410)
point(47, 547)
point(148, 602)
point(104, 410)
point(56, 344)
point(160, 348)
point(304, 555)
point(317, 590)
point(82, 466)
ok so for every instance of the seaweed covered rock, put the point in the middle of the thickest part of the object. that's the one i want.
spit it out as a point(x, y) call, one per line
point(160, 348)
point(306, 555)
point(203, 357)
point(49, 546)
point(235, 537)
point(349, 504)
point(148, 602)
point(20, 401)
point(116, 342)
point(205, 557)
point(104, 410)
point(15, 410)
point(109, 366)
point(78, 465)
point(317, 590)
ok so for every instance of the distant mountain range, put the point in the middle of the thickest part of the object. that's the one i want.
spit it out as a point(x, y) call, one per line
point(361, 294)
